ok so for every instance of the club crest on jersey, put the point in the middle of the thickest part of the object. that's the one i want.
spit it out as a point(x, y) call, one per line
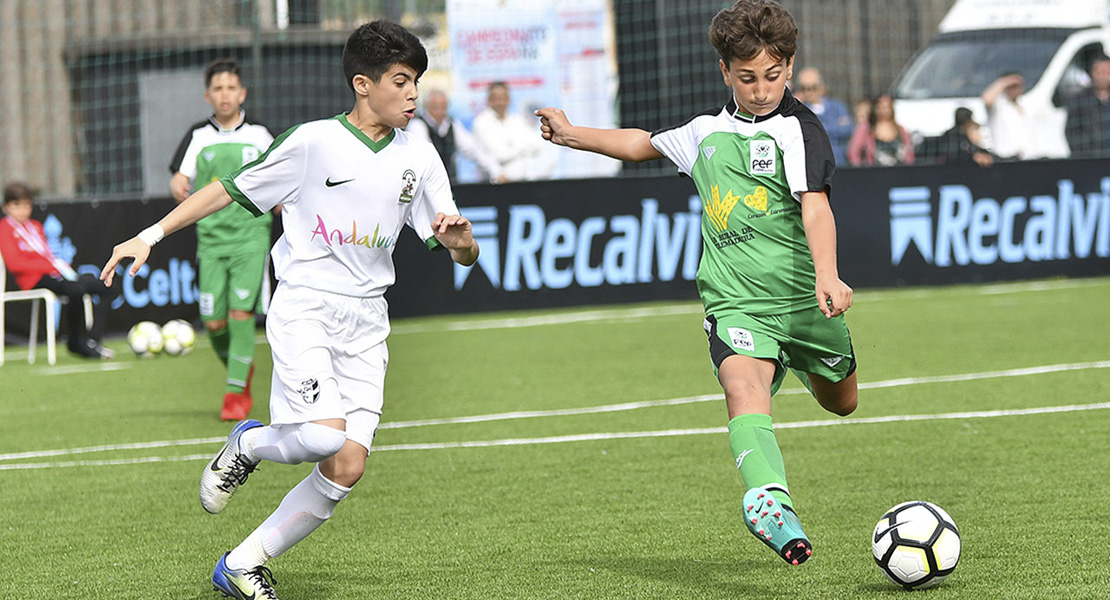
point(309, 390)
point(762, 157)
point(408, 185)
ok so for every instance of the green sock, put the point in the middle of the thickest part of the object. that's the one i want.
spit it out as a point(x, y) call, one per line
point(220, 339)
point(240, 353)
point(757, 454)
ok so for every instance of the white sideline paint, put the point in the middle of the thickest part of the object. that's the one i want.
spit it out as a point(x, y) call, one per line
point(594, 410)
point(589, 437)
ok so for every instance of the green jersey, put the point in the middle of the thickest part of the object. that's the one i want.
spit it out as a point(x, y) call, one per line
point(209, 152)
point(750, 173)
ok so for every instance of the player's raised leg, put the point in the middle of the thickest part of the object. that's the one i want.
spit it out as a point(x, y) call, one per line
point(303, 510)
point(768, 509)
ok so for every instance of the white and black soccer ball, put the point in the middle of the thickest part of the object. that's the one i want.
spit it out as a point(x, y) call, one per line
point(178, 337)
point(916, 544)
point(145, 339)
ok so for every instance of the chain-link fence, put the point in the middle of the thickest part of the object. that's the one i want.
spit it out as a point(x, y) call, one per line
point(97, 93)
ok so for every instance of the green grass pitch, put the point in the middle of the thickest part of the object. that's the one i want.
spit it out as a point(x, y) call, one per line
point(580, 454)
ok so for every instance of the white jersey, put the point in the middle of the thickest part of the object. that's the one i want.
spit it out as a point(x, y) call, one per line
point(344, 199)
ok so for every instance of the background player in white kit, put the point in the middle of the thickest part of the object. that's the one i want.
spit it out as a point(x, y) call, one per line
point(347, 186)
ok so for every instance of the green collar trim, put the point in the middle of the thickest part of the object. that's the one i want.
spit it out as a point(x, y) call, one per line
point(365, 139)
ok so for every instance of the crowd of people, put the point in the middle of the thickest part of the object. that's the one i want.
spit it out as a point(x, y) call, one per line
point(870, 134)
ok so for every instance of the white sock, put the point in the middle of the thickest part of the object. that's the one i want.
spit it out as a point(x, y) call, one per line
point(304, 508)
point(294, 444)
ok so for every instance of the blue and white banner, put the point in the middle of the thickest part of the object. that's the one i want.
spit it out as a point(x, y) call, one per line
point(636, 239)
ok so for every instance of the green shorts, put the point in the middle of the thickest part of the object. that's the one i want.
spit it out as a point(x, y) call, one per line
point(229, 283)
point(802, 340)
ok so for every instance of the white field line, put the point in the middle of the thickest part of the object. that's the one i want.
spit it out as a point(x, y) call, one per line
point(692, 308)
point(595, 410)
point(587, 437)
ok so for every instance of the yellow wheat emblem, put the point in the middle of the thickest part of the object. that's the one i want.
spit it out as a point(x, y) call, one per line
point(758, 199)
point(718, 209)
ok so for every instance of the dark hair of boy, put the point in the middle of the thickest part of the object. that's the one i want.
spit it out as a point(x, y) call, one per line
point(373, 48)
point(751, 26)
point(221, 65)
point(18, 191)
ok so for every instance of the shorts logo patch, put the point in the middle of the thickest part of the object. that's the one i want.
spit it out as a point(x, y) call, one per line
point(741, 338)
point(309, 390)
point(833, 361)
point(762, 155)
point(207, 304)
point(241, 293)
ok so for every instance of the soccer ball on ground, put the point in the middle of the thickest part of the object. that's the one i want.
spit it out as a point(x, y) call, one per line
point(916, 544)
point(145, 338)
point(178, 337)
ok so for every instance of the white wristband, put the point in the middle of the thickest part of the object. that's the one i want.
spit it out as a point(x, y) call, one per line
point(152, 235)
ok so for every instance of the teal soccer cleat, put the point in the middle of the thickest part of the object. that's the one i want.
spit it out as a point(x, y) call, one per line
point(776, 525)
point(227, 471)
point(252, 584)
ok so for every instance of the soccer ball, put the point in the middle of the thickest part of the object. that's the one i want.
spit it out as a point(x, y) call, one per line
point(178, 337)
point(916, 544)
point(145, 338)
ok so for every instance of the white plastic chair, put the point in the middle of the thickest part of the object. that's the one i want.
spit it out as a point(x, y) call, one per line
point(51, 301)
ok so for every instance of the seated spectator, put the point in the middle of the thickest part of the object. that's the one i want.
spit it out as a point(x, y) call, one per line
point(881, 141)
point(1009, 126)
point(861, 112)
point(449, 136)
point(31, 263)
point(834, 115)
point(958, 145)
point(1089, 114)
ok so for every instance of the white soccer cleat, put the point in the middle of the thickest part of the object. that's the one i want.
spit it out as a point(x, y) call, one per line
point(227, 471)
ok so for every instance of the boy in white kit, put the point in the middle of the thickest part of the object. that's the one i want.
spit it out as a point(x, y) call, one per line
point(347, 186)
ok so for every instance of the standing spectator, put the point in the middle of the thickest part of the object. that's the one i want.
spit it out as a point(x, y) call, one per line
point(1006, 119)
point(1089, 113)
point(881, 141)
point(231, 244)
point(834, 115)
point(510, 138)
point(449, 136)
point(29, 259)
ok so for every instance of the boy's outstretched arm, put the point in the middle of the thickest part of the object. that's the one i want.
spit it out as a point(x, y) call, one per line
point(206, 201)
point(454, 232)
point(632, 145)
point(833, 295)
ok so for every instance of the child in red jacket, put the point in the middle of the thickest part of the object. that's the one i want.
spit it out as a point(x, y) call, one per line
point(28, 258)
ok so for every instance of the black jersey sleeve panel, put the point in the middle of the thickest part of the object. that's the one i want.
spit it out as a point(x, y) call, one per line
point(820, 163)
point(179, 154)
point(709, 112)
point(262, 125)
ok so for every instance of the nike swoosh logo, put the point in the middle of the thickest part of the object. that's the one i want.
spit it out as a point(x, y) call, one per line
point(215, 467)
point(242, 594)
point(328, 182)
point(879, 535)
point(740, 459)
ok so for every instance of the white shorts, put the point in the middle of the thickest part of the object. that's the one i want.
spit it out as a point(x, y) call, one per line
point(330, 359)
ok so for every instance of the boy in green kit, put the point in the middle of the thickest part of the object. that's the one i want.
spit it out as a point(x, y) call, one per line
point(231, 244)
point(768, 277)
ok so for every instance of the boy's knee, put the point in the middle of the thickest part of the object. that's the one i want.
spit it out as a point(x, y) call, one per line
point(320, 441)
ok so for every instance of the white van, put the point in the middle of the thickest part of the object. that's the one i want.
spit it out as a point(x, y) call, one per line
point(1049, 42)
